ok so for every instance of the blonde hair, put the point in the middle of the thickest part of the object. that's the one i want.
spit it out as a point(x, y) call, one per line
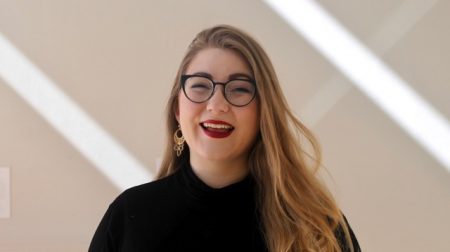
point(297, 211)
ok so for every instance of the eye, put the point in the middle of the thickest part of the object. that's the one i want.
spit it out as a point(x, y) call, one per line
point(241, 90)
point(200, 86)
point(240, 87)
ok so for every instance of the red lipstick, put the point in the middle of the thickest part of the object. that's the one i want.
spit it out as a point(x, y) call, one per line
point(216, 128)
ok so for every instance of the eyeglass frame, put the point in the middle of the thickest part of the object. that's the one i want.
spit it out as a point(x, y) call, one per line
point(184, 77)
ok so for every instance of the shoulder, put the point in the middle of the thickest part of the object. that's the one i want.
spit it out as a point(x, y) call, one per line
point(135, 206)
point(155, 187)
point(148, 193)
point(342, 239)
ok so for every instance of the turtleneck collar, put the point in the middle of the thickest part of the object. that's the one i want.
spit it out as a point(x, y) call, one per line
point(201, 191)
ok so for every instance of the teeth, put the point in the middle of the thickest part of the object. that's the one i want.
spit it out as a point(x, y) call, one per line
point(217, 126)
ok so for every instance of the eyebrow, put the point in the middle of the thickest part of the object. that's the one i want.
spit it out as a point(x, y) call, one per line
point(230, 77)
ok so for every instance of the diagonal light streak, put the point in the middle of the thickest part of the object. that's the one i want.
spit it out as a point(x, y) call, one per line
point(393, 95)
point(394, 27)
point(76, 126)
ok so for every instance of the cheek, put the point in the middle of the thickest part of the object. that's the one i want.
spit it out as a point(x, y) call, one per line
point(254, 114)
point(251, 119)
point(188, 112)
point(183, 107)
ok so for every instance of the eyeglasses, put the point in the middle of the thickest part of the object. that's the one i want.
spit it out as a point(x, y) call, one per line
point(238, 92)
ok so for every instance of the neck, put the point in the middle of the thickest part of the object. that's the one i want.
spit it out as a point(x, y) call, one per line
point(218, 174)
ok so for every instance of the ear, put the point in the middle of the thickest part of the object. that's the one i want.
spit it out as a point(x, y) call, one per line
point(177, 113)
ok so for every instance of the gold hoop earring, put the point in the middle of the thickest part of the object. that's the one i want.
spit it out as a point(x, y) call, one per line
point(179, 141)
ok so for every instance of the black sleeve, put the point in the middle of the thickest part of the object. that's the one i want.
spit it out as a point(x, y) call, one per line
point(340, 235)
point(107, 237)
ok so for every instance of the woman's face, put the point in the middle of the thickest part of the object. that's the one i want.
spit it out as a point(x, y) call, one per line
point(215, 130)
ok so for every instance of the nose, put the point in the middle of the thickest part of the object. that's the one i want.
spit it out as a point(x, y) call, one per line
point(217, 103)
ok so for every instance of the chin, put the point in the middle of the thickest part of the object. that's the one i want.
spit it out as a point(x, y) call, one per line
point(215, 157)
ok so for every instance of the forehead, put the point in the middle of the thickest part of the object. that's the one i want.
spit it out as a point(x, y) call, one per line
point(220, 63)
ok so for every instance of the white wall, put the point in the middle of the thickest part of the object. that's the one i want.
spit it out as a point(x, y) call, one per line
point(117, 60)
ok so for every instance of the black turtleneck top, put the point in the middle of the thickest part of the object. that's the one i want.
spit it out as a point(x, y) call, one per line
point(181, 213)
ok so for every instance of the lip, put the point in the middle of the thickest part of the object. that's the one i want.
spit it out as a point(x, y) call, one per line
point(217, 122)
point(217, 134)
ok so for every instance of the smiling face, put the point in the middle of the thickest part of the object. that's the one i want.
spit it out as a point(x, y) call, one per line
point(215, 130)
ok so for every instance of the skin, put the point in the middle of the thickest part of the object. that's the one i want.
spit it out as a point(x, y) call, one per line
point(218, 162)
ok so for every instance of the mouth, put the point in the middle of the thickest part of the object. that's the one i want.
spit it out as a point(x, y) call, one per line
point(216, 129)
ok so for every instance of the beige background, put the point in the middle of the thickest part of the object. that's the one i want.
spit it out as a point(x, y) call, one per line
point(117, 59)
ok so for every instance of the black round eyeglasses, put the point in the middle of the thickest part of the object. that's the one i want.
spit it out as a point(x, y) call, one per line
point(238, 92)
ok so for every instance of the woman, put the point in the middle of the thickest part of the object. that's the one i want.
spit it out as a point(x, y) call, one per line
point(234, 176)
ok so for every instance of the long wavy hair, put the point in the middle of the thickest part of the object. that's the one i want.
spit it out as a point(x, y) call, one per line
point(297, 212)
